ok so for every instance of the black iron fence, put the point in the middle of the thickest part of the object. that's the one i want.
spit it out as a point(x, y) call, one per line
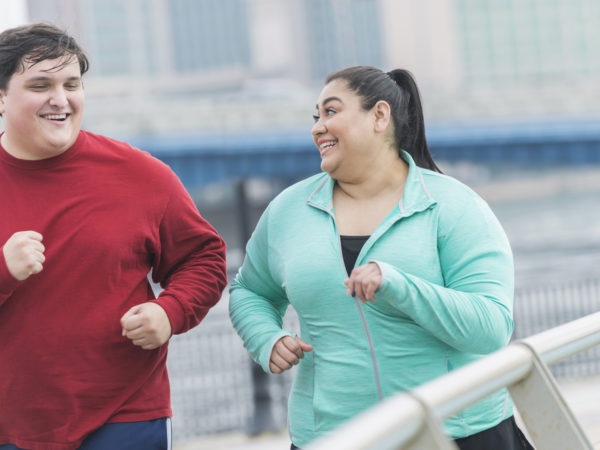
point(540, 308)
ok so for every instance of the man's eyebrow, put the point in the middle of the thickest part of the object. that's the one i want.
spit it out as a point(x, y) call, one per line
point(329, 99)
point(44, 78)
point(38, 78)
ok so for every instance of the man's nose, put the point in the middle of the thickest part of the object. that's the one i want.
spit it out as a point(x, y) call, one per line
point(58, 97)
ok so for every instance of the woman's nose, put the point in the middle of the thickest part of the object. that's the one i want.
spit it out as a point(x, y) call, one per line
point(318, 127)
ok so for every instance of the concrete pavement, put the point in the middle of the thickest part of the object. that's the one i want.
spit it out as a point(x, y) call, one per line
point(583, 397)
point(238, 441)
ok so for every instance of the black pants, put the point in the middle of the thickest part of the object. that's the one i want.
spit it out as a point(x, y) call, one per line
point(504, 436)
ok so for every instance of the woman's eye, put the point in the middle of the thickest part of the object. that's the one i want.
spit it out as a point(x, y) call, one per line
point(328, 112)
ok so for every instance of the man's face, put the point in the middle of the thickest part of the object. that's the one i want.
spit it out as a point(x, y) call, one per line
point(42, 109)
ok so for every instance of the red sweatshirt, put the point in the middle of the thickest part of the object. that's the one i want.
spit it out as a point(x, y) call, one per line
point(108, 214)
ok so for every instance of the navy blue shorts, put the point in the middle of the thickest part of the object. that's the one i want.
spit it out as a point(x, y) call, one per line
point(147, 435)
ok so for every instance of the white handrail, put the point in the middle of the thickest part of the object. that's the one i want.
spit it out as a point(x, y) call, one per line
point(398, 419)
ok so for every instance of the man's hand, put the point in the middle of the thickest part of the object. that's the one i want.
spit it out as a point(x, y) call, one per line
point(287, 352)
point(147, 325)
point(24, 254)
point(364, 281)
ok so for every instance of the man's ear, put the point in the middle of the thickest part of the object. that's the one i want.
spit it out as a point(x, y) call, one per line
point(383, 116)
point(2, 95)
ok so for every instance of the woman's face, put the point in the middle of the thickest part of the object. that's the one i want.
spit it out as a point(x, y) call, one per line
point(343, 131)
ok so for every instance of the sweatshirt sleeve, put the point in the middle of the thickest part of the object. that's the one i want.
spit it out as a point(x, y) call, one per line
point(257, 302)
point(472, 311)
point(8, 283)
point(189, 262)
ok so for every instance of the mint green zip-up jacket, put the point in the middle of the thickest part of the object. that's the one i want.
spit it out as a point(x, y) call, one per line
point(445, 299)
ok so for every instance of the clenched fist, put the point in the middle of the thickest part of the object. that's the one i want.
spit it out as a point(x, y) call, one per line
point(24, 254)
point(364, 282)
point(287, 352)
point(146, 325)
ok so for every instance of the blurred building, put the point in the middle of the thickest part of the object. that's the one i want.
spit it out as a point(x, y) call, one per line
point(193, 66)
point(14, 13)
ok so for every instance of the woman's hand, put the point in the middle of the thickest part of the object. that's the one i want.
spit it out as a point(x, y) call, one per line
point(287, 352)
point(364, 281)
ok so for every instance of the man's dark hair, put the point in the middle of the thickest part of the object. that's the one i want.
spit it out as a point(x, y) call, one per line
point(31, 44)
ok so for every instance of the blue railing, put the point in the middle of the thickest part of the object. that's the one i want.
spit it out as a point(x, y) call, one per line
point(203, 159)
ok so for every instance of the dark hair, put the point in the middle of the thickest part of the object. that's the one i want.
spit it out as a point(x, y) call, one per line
point(399, 90)
point(31, 44)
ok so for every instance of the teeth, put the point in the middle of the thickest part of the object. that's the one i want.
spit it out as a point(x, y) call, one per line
point(327, 145)
point(55, 116)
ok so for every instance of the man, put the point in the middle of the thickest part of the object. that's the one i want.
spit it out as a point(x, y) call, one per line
point(83, 219)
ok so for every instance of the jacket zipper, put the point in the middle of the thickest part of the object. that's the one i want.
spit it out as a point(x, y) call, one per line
point(361, 312)
point(371, 347)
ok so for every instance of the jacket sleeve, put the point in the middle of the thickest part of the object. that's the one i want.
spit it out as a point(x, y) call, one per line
point(472, 311)
point(8, 283)
point(257, 302)
point(189, 262)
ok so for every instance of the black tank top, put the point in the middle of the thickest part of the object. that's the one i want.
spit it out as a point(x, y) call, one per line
point(351, 246)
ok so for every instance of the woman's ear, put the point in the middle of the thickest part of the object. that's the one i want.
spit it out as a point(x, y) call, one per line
point(383, 116)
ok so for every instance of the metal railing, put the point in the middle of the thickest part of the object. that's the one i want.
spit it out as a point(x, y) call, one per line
point(412, 420)
point(211, 375)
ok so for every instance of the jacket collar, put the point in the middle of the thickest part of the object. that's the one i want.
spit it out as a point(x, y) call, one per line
point(416, 196)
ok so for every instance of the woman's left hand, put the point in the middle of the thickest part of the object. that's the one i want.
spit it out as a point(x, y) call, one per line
point(364, 281)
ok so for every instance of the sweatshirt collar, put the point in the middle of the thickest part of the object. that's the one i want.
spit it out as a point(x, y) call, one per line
point(416, 196)
point(43, 164)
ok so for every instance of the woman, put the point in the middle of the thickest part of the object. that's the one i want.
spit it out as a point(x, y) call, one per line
point(398, 273)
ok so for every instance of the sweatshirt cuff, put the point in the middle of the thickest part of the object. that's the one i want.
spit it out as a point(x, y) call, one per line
point(8, 283)
point(175, 312)
point(393, 286)
point(265, 363)
point(382, 268)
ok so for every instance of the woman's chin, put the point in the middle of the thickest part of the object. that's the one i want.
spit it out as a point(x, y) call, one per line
point(327, 165)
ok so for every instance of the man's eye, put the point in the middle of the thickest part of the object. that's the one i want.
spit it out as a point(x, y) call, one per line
point(38, 87)
point(72, 86)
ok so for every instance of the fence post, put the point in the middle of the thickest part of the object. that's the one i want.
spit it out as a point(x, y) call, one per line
point(262, 419)
point(432, 434)
point(548, 418)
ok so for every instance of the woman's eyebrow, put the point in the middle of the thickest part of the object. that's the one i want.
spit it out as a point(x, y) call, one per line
point(329, 99)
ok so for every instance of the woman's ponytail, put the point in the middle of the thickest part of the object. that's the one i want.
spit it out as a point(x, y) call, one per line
point(410, 123)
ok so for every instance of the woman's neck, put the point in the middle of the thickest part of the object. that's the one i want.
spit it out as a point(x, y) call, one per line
point(375, 181)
